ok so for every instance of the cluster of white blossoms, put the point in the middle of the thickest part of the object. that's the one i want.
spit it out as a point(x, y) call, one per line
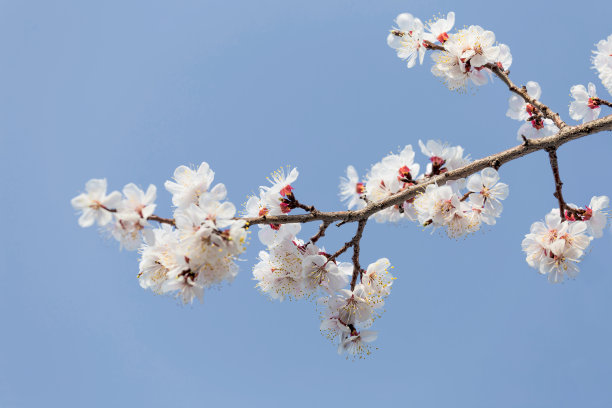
point(125, 216)
point(459, 206)
point(197, 251)
point(346, 313)
point(460, 58)
point(198, 247)
point(602, 62)
point(555, 246)
point(290, 268)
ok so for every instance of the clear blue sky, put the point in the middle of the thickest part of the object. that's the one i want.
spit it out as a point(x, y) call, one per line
point(130, 90)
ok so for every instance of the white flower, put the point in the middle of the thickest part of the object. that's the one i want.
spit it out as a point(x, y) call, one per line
point(598, 218)
point(274, 197)
point(439, 28)
point(377, 279)
point(138, 202)
point(504, 60)
point(594, 216)
point(334, 326)
point(487, 193)
point(442, 157)
point(407, 40)
point(318, 272)
point(190, 184)
point(280, 182)
point(187, 285)
point(354, 306)
point(555, 246)
point(156, 257)
point(440, 206)
point(272, 235)
point(279, 272)
point(95, 204)
point(402, 165)
point(465, 56)
point(355, 343)
point(602, 62)
point(126, 229)
point(560, 262)
point(352, 190)
point(537, 129)
point(481, 48)
point(518, 109)
point(583, 107)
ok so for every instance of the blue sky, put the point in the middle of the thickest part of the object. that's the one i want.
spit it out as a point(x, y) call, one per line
point(130, 90)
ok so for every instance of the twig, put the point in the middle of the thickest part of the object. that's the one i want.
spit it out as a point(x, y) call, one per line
point(522, 92)
point(356, 241)
point(600, 101)
point(149, 218)
point(161, 220)
point(432, 46)
point(554, 165)
point(321, 232)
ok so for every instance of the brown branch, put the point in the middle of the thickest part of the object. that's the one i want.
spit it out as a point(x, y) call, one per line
point(162, 220)
point(600, 101)
point(522, 92)
point(321, 232)
point(308, 208)
point(554, 165)
point(356, 241)
point(431, 46)
point(153, 217)
point(567, 134)
point(339, 252)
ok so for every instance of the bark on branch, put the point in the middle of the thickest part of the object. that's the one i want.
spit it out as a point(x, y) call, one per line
point(567, 134)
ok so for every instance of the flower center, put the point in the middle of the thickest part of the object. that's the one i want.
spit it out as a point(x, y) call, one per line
point(593, 104)
point(442, 37)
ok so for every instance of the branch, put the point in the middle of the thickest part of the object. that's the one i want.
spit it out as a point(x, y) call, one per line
point(600, 101)
point(321, 232)
point(554, 165)
point(162, 220)
point(153, 217)
point(522, 92)
point(356, 241)
point(567, 134)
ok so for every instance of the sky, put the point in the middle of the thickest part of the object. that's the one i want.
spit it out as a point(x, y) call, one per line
point(128, 91)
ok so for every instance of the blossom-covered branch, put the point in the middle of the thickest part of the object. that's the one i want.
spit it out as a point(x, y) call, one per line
point(200, 245)
point(495, 160)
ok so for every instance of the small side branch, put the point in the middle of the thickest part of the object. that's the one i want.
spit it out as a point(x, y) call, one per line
point(522, 92)
point(432, 46)
point(600, 101)
point(321, 232)
point(554, 165)
point(162, 220)
point(356, 242)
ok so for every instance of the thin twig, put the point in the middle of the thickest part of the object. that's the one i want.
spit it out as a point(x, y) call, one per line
point(321, 232)
point(149, 218)
point(356, 241)
point(432, 46)
point(522, 92)
point(554, 165)
point(600, 101)
point(161, 220)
